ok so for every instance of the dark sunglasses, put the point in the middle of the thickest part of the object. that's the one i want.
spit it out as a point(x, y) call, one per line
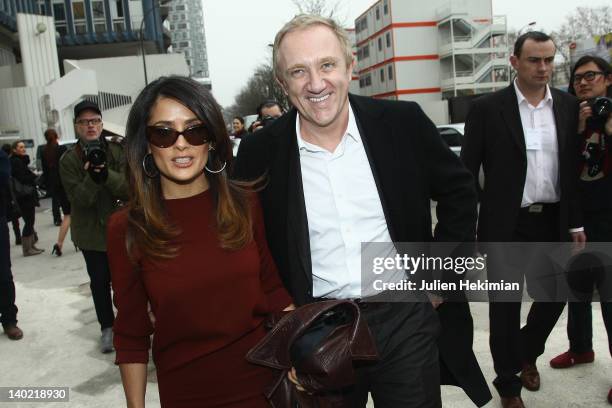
point(166, 137)
point(589, 76)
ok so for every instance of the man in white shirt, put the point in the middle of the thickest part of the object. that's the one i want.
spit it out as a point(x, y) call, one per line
point(524, 138)
point(343, 170)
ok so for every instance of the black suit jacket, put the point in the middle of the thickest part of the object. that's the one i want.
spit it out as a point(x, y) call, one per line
point(411, 165)
point(494, 139)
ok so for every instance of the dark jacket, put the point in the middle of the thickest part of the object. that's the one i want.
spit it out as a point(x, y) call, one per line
point(22, 173)
point(494, 139)
point(411, 166)
point(50, 166)
point(91, 203)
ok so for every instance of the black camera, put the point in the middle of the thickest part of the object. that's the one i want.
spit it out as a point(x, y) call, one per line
point(95, 153)
point(267, 120)
point(601, 108)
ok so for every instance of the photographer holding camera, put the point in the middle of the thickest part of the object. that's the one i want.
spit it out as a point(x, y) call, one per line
point(93, 175)
point(267, 113)
point(591, 82)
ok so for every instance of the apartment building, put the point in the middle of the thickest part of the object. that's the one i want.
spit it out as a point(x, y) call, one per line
point(429, 52)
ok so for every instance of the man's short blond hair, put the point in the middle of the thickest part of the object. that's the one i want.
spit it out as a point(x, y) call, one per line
point(303, 21)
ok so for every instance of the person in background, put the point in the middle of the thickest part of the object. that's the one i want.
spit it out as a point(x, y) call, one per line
point(591, 78)
point(50, 156)
point(523, 137)
point(93, 176)
point(8, 309)
point(267, 112)
point(191, 244)
point(27, 203)
point(238, 128)
point(14, 219)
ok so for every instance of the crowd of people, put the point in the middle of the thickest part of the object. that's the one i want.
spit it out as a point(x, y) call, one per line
point(200, 248)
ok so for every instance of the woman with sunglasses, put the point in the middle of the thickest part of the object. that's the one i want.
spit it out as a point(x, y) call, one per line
point(190, 245)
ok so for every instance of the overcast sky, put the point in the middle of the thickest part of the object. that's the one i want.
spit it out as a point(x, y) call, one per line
point(238, 31)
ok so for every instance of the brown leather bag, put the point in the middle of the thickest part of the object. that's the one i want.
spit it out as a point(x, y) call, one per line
point(327, 367)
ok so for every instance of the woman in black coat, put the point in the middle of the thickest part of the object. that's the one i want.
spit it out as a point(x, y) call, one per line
point(27, 203)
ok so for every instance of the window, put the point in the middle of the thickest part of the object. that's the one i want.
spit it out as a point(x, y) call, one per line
point(385, 7)
point(368, 80)
point(184, 44)
point(390, 73)
point(59, 12)
point(382, 75)
point(388, 37)
point(97, 7)
point(119, 8)
point(182, 26)
point(366, 51)
point(379, 43)
point(378, 13)
point(180, 7)
point(78, 13)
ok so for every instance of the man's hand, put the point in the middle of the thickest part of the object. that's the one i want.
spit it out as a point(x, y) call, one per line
point(583, 115)
point(435, 300)
point(292, 375)
point(579, 239)
point(98, 174)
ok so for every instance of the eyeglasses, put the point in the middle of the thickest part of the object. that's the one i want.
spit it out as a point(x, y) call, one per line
point(166, 137)
point(589, 76)
point(87, 122)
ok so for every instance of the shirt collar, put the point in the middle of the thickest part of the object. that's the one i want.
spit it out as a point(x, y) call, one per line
point(521, 98)
point(351, 130)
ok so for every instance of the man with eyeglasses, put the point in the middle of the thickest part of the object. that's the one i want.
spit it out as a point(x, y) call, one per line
point(591, 78)
point(523, 137)
point(93, 175)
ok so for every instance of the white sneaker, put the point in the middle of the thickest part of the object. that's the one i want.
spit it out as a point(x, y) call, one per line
point(106, 341)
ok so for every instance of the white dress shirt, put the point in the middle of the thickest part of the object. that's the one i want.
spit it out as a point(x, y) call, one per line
point(540, 131)
point(343, 210)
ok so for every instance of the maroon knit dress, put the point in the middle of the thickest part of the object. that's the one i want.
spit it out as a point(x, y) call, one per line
point(209, 304)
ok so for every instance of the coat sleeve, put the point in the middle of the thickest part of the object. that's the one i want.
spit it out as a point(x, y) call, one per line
point(472, 151)
point(79, 187)
point(116, 182)
point(132, 327)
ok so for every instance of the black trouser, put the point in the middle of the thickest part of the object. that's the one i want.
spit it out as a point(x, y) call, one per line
point(100, 284)
point(28, 213)
point(407, 374)
point(598, 228)
point(510, 345)
point(55, 207)
point(8, 310)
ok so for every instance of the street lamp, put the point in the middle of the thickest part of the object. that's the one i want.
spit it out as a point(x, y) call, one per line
point(524, 27)
point(154, 5)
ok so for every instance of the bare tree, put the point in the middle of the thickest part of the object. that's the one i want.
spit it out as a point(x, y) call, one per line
point(583, 23)
point(260, 87)
point(321, 8)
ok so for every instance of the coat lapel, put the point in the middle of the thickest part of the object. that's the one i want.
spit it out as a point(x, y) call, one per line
point(297, 220)
point(381, 147)
point(560, 114)
point(512, 118)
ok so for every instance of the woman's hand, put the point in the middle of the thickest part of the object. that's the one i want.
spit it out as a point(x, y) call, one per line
point(289, 308)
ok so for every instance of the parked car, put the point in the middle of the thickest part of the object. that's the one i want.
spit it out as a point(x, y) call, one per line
point(452, 134)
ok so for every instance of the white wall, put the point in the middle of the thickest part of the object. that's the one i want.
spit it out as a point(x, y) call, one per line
point(11, 76)
point(125, 75)
point(38, 50)
point(21, 110)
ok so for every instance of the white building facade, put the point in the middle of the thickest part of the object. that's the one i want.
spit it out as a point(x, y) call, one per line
point(429, 51)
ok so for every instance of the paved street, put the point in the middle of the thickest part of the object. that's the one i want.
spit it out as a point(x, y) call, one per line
point(60, 345)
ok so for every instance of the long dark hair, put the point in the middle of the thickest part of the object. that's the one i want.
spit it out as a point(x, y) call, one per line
point(601, 64)
point(149, 232)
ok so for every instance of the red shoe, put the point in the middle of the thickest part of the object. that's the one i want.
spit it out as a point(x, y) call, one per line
point(569, 359)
